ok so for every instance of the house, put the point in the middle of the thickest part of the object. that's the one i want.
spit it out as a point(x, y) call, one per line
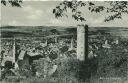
point(106, 45)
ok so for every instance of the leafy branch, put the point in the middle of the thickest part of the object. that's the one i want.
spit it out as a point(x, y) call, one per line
point(117, 7)
point(13, 3)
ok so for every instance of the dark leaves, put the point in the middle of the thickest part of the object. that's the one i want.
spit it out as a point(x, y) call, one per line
point(77, 16)
point(112, 17)
point(13, 3)
point(73, 10)
point(54, 10)
point(80, 3)
point(90, 4)
point(82, 19)
point(61, 9)
point(116, 7)
point(58, 12)
point(3, 2)
point(96, 8)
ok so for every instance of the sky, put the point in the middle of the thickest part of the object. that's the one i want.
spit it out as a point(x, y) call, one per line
point(39, 13)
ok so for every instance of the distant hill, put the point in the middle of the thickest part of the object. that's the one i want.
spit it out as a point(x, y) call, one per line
point(11, 31)
point(115, 31)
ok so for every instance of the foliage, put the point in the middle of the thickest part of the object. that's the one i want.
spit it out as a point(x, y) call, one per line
point(13, 3)
point(42, 66)
point(61, 9)
point(115, 8)
point(25, 71)
point(118, 8)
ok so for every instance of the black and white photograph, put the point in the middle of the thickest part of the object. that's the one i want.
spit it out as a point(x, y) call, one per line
point(63, 41)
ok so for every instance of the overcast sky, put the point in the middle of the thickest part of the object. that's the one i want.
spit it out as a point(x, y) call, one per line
point(39, 13)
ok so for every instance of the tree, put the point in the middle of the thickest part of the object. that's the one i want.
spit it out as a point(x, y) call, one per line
point(117, 8)
point(13, 3)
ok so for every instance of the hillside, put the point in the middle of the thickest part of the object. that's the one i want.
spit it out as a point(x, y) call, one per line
point(32, 31)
